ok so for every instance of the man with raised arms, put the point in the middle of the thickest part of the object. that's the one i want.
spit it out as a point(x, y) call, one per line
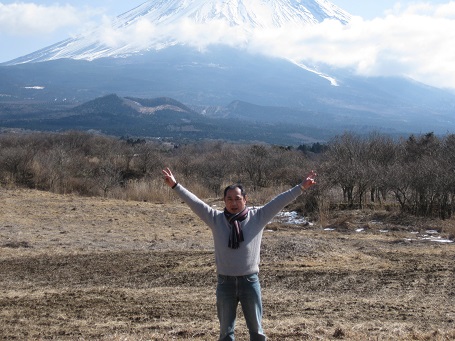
point(237, 235)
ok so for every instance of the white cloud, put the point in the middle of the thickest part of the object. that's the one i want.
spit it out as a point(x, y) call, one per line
point(143, 34)
point(416, 42)
point(446, 10)
point(27, 19)
point(214, 32)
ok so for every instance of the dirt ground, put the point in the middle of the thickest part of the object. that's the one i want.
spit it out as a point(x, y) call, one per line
point(75, 268)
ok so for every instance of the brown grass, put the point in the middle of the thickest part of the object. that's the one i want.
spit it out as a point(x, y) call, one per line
point(75, 268)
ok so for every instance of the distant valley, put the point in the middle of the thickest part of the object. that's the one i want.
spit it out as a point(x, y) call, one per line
point(158, 118)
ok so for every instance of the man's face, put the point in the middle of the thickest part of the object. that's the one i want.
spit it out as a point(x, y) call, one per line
point(234, 201)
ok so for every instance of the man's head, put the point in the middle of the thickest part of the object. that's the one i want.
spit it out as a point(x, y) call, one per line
point(234, 198)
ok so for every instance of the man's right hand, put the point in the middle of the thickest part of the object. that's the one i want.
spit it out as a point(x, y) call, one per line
point(169, 178)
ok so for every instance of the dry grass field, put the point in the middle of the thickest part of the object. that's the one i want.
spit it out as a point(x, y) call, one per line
point(77, 268)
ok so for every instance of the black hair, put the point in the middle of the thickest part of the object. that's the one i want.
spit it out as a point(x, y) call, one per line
point(242, 190)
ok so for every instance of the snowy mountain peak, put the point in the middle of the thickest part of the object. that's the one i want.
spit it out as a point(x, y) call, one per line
point(252, 13)
point(158, 24)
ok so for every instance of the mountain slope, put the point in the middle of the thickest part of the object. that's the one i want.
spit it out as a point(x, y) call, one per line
point(274, 87)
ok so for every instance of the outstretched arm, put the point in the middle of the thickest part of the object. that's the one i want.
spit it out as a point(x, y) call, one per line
point(202, 210)
point(169, 178)
point(269, 210)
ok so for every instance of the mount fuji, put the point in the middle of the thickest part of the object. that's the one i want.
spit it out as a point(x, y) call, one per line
point(159, 24)
point(216, 57)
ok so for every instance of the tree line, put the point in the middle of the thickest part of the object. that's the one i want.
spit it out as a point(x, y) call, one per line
point(415, 175)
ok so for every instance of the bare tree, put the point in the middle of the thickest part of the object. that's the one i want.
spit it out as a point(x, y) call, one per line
point(147, 159)
point(382, 151)
point(341, 164)
point(15, 164)
point(256, 165)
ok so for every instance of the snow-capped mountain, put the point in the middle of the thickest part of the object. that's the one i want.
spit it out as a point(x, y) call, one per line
point(211, 53)
point(158, 24)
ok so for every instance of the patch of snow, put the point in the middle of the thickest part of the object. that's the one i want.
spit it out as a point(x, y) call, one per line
point(34, 87)
point(437, 240)
point(431, 236)
point(291, 218)
point(432, 232)
point(332, 80)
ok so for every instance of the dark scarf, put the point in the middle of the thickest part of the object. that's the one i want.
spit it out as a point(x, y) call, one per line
point(236, 234)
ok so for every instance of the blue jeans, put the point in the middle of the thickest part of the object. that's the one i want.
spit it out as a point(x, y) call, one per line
point(229, 292)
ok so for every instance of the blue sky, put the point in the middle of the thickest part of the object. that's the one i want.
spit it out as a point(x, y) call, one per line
point(412, 38)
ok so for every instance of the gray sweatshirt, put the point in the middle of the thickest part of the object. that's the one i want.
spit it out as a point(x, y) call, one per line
point(244, 260)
